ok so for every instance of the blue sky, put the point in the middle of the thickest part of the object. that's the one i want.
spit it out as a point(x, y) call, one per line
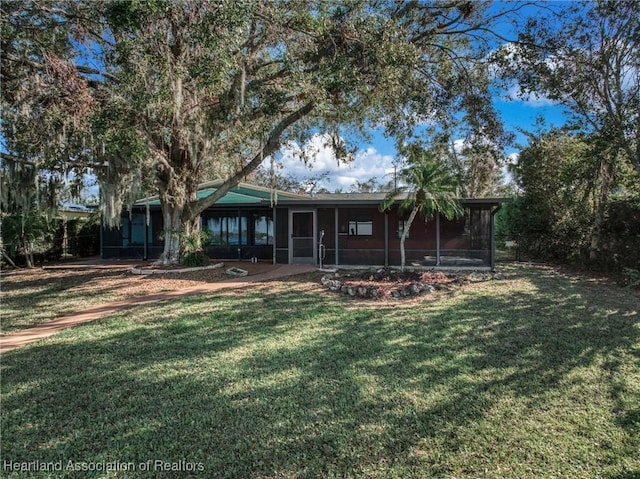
point(374, 158)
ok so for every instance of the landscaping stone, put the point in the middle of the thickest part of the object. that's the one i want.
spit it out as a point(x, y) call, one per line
point(237, 272)
point(149, 271)
point(384, 282)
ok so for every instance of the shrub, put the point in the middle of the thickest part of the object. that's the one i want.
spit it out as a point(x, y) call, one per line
point(194, 259)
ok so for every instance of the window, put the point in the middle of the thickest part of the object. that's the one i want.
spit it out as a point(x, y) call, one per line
point(262, 230)
point(360, 224)
point(137, 229)
point(227, 230)
point(402, 224)
point(133, 230)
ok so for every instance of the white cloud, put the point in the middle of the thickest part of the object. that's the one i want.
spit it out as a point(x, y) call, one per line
point(532, 99)
point(366, 164)
point(459, 145)
point(511, 160)
point(512, 54)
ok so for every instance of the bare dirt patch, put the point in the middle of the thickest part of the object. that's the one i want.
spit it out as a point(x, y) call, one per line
point(32, 296)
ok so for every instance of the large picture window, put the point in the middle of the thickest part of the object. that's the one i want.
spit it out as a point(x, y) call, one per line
point(133, 230)
point(262, 230)
point(227, 230)
point(360, 224)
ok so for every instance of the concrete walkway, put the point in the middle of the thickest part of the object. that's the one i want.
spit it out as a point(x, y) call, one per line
point(44, 330)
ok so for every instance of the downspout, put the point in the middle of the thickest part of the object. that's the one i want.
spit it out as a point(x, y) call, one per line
point(493, 239)
point(437, 239)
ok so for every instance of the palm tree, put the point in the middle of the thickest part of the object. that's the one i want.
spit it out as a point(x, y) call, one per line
point(428, 188)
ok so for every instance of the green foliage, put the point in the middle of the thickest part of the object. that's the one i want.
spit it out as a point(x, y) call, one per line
point(194, 259)
point(26, 236)
point(551, 219)
point(620, 236)
point(632, 277)
point(83, 236)
point(427, 184)
point(193, 241)
point(585, 55)
point(46, 103)
point(554, 216)
point(195, 90)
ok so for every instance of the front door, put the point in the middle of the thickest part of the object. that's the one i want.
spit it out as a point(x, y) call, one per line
point(302, 244)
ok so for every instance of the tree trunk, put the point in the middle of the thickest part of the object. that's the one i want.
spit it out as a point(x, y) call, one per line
point(177, 184)
point(403, 237)
point(601, 204)
point(192, 236)
point(8, 259)
point(171, 216)
point(28, 253)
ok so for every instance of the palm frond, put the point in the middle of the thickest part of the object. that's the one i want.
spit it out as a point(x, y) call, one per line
point(430, 186)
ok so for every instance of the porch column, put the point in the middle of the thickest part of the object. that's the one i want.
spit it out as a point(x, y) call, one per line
point(492, 259)
point(275, 236)
point(101, 240)
point(337, 236)
point(437, 239)
point(146, 229)
point(386, 239)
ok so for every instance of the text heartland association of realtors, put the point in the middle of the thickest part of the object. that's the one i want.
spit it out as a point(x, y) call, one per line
point(102, 466)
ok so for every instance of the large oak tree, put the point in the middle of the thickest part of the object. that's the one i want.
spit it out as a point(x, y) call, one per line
point(185, 91)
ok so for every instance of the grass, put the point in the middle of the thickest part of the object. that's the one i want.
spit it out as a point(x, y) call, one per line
point(534, 375)
point(30, 297)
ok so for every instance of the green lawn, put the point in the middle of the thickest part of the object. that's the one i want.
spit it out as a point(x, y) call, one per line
point(534, 375)
point(33, 296)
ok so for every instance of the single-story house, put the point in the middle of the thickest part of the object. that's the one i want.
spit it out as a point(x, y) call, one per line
point(333, 229)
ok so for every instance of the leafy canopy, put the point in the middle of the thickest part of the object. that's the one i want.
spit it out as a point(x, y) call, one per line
point(429, 186)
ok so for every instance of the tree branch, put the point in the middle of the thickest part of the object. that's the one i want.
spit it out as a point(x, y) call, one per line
point(16, 159)
point(273, 143)
point(40, 66)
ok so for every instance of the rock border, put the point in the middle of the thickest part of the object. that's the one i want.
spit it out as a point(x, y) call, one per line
point(143, 271)
point(347, 283)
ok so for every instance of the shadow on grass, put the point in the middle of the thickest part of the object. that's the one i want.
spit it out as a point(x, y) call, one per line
point(284, 380)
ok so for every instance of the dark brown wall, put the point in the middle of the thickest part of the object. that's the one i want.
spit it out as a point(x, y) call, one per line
point(471, 235)
point(282, 235)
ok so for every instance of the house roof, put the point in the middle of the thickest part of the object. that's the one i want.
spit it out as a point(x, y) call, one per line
point(339, 199)
point(242, 194)
point(247, 194)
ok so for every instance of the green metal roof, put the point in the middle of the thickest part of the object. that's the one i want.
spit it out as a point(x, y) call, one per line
point(243, 194)
point(247, 194)
point(231, 198)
